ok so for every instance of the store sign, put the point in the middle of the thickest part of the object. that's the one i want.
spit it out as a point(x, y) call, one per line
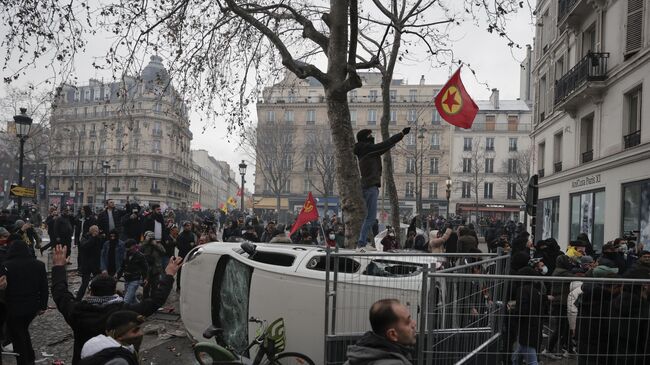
point(584, 181)
point(495, 206)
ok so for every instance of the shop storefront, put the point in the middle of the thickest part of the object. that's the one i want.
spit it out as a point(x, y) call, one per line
point(548, 218)
point(636, 210)
point(501, 212)
point(588, 216)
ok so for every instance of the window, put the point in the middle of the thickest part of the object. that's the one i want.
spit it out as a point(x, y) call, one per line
point(107, 92)
point(133, 183)
point(487, 190)
point(632, 118)
point(288, 116)
point(157, 129)
point(467, 189)
point(353, 117)
point(133, 164)
point(119, 145)
point(513, 123)
point(372, 116)
point(636, 210)
point(102, 147)
point(287, 162)
point(345, 264)
point(489, 165)
point(306, 186)
point(490, 122)
point(412, 116)
point(435, 141)
point(489, 144)
point(77, 95)
point(311, 116)
point(410, 165)
point(588, 216)
point(410, 190)
point(512, 144)
point(586, 138)
point(434, 166)
point(309, 162)
point(155, 146)
point(154, 184)
point(467, 165)
point(589, 40)
point(352, 95)
point(512, 191)
point(372, 95)
point(541, 98)
point(435, 117)
point(512, 166)
point(92, 147)
point(559, 68)
point(413, 96)
point(433, 190)
point(541, 151)
point(291, 97)
point(96, 92)
point(557, 152)
point(467, 144)
point(410, 139)
point(393, 95)
point(286, 187)
point(94, 111)
point(634, 27)
point(87, 94)
point(155, 165)
point(393, 116)
point(270, 116)
point(548, 218)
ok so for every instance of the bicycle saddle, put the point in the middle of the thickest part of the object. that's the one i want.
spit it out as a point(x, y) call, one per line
point(212, 331)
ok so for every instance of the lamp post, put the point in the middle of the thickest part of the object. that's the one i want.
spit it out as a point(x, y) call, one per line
point(75, 203)
point(105, 167)
point(242, 172)
point(23, 124)
point(448, 191)
point(418, 177)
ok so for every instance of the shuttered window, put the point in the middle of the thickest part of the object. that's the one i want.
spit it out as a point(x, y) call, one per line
point(634, 30)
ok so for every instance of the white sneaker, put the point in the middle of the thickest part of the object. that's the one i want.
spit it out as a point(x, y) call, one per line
point(366, 249)
point(550, 355)
point(8, 348)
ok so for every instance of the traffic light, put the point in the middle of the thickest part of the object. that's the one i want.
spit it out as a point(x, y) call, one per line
point(531, 196)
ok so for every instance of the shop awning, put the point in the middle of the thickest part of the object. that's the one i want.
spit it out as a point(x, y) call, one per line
point(269, 203)
point(489, 208)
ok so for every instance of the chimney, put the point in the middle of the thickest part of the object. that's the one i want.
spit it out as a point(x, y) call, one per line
point(421, 80)
point(494, 98)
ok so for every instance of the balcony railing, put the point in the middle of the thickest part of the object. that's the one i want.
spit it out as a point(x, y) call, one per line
point(587, 156)
point(632, 139)
point(540, 172)
point(155, 191)
point(557, 167)
point(564, 8)
point(592, 67)
point(498, 127)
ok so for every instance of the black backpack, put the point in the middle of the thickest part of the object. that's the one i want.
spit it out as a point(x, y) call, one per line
point(108, 354)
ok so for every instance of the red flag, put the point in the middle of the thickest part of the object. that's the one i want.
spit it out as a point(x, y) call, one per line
point(239, 192)
point(454, 103)
point(308, 213)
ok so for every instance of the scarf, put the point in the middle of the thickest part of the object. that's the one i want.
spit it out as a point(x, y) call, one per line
point(104, 300)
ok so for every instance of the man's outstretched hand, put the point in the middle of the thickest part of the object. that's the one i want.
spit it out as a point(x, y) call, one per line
point(58, 259)
point(173, 266)
point(406, 130)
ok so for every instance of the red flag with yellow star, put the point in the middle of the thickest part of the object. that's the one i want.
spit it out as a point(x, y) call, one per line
point(454, 103)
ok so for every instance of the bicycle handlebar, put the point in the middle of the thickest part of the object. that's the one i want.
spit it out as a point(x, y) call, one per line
point(255, 320)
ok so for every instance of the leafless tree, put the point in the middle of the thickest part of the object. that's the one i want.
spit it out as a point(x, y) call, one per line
point(516, 170)
point(319, 151)
point(472, 166)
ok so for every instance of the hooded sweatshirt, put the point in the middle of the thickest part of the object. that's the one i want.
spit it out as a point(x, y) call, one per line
point(372, 349)
point(99, 343)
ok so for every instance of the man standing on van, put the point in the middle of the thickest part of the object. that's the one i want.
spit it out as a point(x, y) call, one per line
point(369, 156)
point(391, 340)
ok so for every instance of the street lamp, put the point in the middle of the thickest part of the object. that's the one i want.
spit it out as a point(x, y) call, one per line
point(23, 124)
point(448, 184)
point(106, 166)
point(242, 172)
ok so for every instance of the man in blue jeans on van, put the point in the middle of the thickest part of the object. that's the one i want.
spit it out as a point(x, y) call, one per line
point(369, 156)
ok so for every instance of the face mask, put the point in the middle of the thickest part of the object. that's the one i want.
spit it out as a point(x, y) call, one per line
point(332, 236)
point(544, 270)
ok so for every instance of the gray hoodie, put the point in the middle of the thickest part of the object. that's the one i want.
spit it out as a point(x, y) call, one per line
point(372, 349)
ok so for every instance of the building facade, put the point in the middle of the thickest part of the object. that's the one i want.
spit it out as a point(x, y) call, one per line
point(591, 129)
point(119, 140)
point(216, 180)
point(491, 161)
point(293, 113)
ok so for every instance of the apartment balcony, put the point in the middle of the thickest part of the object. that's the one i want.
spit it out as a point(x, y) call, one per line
point(540, 172)
point(155, 191)
point(133, 189)
point(570, 12)
point(587, 156)
point(584, 79)
point(557, 166)
point(117, 189)
point(632, 139)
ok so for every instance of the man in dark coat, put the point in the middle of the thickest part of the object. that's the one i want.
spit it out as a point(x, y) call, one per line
point(369, 157)
point(83, 222)
point(63, 232)
point(26, 297)
point(132, 223)
point(155, 223)
point(269, 232)
point(88, 317)
point(531, 306)
point(110, 218)
point(90, 250)
point(185, 242)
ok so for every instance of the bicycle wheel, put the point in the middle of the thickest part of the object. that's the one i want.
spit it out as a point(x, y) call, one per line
point(291, 358)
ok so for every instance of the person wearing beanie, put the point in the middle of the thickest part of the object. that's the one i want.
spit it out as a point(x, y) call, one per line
point(369, 158)
point(88, 317)
point(120, 344)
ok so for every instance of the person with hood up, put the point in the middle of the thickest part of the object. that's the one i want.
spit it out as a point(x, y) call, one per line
point(612, 252)
point(134, 269)
point(120, 344)
point(25, 297)
point(369, 158)
point(88, 317)
point(153, 252)
point(392, 337)
point(112, 254)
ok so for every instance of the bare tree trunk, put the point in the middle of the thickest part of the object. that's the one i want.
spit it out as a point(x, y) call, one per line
point(278, 206)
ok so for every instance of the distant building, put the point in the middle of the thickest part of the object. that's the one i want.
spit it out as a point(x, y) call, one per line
point(592, 119)
point(138, 128)
point(216, 182)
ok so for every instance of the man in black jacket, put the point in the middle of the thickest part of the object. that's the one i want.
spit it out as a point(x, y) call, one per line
point(110, 218)
point(90, 253)
point(63, 232)
point(369, 156)
point(88, 317)
point(132, 223)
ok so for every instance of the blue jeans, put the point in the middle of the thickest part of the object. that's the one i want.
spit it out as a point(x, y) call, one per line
point(165, 261)
point(526, 353)
point(130, 289)
point(370, 196)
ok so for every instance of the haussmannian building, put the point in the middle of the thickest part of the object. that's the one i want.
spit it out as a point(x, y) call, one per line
point(592, 119)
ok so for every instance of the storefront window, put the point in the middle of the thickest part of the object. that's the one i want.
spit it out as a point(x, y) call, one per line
point(548, 213)
point(636, 210)
point(588, 216)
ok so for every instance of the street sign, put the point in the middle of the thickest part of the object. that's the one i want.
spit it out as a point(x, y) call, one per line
point(23, 192)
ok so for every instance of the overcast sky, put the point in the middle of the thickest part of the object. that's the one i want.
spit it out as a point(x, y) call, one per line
point(494, 62)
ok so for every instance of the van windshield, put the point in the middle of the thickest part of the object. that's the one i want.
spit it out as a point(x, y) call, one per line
point(392, 268)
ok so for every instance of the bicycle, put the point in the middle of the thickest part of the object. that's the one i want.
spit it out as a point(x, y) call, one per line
point(270, 342)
